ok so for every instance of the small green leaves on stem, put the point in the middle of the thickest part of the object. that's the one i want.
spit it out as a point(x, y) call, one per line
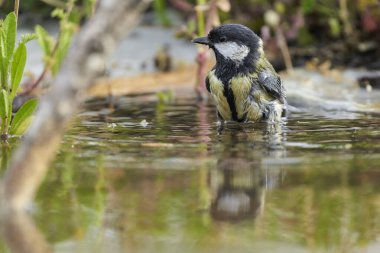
point(45, 41)
point(12, 64)
point(23, 117)
point(63, 47)
point(25, 38)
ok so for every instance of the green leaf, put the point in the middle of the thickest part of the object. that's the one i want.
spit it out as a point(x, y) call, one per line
point(1, 73)
point(307, 5)
point(4, 105)
point(3, 43)
point(25, 38)
point(4, 73)
point(44, 39)
point(22, 127)
point(10, 25)
point(23, 117)
point(58, 13)
point(3, 61)
point(17, 68)
point(63, 47)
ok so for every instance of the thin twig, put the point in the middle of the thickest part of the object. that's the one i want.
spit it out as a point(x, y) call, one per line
point(284, 50)
point(17, 5)
point(48, 65)
point(182, 5)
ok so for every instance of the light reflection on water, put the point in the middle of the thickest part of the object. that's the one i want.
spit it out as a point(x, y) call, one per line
point(175, 185)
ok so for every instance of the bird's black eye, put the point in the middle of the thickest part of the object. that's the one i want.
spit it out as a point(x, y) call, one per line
point(223, 39)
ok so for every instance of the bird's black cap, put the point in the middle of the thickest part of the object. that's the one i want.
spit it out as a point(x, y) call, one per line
point(230, 32)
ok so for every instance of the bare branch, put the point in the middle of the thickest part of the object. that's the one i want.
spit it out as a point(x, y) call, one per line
point(85, 62)
point(22, 235)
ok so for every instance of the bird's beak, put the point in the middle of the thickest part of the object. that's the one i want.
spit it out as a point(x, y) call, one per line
point(201, 40)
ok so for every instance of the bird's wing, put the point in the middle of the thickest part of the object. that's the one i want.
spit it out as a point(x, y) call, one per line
point(272, 84)
point(208, 84)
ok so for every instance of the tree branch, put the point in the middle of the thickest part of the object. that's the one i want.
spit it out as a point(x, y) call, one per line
point(85, 62)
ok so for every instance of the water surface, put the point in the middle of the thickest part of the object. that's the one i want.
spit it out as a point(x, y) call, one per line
point(157, 177)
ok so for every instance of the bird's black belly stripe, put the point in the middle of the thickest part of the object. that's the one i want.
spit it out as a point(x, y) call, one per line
point(225, 72)
point(231, 101)
point(228, 93)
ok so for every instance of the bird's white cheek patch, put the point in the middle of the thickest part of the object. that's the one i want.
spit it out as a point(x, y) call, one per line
point(232, 50)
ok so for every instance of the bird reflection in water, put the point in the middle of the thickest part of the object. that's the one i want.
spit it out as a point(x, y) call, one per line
point(243, 174)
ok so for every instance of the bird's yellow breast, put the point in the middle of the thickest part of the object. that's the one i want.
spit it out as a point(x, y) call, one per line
point(217, 92)
point(249, 97)
point(241, 87)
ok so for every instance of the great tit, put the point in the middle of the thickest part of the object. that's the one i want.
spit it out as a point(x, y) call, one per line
point(244, 85)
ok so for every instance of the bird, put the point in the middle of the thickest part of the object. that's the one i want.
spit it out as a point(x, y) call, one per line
point(243, 84)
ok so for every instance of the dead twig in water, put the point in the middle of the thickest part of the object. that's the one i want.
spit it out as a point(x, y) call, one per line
point(85, 62)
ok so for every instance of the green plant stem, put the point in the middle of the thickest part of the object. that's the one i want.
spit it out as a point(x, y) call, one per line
point(2, 127)
point(7, 123)
point(201, 17)
point(8, 118)
point(53, 54)
point(17, 5)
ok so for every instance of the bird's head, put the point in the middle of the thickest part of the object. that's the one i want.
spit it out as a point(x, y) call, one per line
point(233, 42)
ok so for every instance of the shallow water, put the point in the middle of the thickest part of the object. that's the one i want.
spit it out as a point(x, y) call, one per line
point(155, 177)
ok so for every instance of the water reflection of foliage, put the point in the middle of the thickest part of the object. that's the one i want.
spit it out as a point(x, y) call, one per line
point(333, 211)
point(4, 157)
point(314, 206)
point(320, 203)
point(75, 206)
